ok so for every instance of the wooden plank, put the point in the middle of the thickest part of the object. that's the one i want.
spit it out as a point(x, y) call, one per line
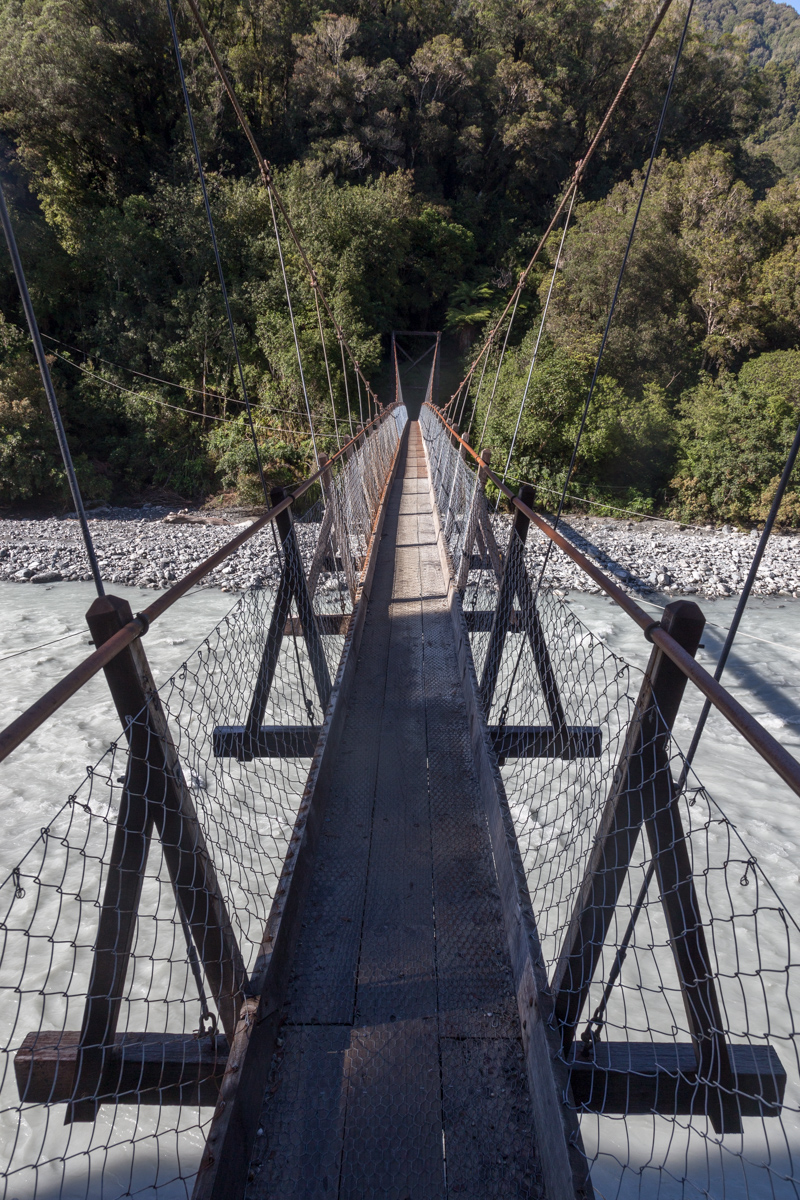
point(542, 741)
point(646, 1077)
point(325, 967)
point(297, 1154)
point(393, 1091)
point(270, 741)
point(141, 1068)
point(490, 1142)
point(225, 1162)
point(563, 1163)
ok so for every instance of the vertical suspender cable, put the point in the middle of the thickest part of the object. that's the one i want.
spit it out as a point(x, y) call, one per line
point(217, 258)
point(360, 406)
point(538, 339)
point(294, 328)
point(499, 366)
point(346, 387)
point(621, 275)
point(745, 596)
point(327, 370)
point(52, 402)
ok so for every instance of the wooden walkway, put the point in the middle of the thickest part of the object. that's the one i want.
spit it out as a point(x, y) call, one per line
point(401, 1073)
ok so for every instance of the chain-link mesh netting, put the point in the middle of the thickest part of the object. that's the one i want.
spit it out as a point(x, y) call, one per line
point(131, 928)
point(672, 960)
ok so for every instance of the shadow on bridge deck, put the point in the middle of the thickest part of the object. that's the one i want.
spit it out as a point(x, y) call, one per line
point(401, 1074)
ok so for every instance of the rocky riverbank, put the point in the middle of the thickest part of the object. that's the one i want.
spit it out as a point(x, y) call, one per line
point(142, 548)
point(150, 547)
point(656, 556)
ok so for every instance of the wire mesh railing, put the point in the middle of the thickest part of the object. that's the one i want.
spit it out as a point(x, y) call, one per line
point(133, 930)
point(671, 958)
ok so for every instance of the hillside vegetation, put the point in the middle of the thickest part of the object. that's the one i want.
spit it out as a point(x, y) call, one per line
point(419, 148)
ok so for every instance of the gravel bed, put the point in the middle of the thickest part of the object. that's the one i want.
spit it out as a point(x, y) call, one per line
point(136, 547)
point(650, 556)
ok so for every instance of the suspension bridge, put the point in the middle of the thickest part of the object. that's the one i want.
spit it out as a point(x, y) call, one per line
point(400, 886)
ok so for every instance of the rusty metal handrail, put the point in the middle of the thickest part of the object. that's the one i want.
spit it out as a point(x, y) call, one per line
point(773, 753)
point(27, 722)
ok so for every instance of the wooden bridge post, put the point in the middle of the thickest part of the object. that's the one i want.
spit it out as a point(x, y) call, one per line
point(643, 792)
point(339, 528)
point(515, 582)
point(473, 521)
point(292, 583)
point(155, 793)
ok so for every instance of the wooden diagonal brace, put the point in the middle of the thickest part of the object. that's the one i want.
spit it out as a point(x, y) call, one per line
point(642, 792)
point(155, 795)
point(292, 583)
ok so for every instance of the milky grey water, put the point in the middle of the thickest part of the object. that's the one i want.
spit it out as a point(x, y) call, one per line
point(763, 673)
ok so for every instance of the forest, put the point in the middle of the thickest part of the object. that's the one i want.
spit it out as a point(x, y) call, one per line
point(420, 149)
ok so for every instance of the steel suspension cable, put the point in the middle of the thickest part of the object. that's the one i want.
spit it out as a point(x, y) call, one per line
point(499, 366)
point(213, 233)
point(538, 341)
point(294, 328)
point(327, 370)
point(52, 402)
point(574, 183)
point(265, 172)
point(606, 331)
point(623, 265)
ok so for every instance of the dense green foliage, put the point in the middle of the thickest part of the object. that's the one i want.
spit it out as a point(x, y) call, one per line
point(419, 149)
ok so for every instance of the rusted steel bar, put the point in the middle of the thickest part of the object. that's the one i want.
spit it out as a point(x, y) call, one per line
point(14, 734)
point(784, 765)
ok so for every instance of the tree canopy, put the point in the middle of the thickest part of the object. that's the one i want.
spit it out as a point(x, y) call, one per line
point(420, 148)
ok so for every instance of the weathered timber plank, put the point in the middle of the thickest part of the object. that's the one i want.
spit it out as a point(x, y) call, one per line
point(645, 1077)
point(140, 1068)
point(298, 1155)
point(475, 984)
point(271, 741)
point(396, 977)
point(489, 1137)
point(563, 1163)
point(225, 1162)
point(393, 1132)
point(323, 987)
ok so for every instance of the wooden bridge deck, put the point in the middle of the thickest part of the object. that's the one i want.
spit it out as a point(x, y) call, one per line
point(401, 1073)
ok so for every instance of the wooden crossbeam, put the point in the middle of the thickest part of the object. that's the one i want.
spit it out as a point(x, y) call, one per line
point(647, 1077)
point(269, 741)
point(328, 624)
point(542, 741)
point(142, 1068)
point(627, 1078)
